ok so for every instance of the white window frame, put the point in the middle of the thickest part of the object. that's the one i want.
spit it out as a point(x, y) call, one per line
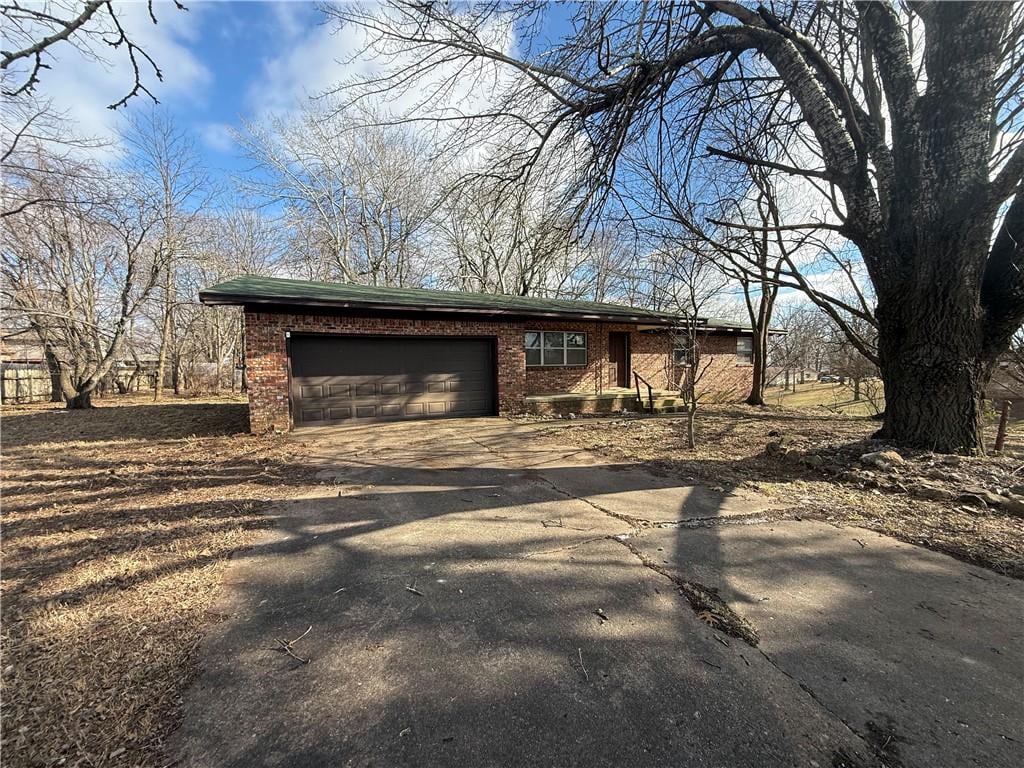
point(564, 349)
point(683, 351)
point(745, 356)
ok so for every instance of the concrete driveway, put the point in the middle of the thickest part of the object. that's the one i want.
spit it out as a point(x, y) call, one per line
point(479, 597)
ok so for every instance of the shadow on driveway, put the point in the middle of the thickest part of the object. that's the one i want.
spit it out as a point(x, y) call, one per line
point(471, 600)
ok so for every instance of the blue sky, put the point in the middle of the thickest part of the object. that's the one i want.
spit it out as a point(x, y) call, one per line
point(223, 62)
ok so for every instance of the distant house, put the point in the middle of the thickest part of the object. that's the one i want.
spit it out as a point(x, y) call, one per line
point(328, 353)
point(1006, 386)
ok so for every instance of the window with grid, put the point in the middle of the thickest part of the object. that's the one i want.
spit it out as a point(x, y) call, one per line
point(744, 350)
point(555, 348)
point(682, 351)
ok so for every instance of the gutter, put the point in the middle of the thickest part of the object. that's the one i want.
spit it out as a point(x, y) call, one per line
point(206, 297)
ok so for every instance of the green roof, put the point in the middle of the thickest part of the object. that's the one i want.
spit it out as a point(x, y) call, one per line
point(251, 290)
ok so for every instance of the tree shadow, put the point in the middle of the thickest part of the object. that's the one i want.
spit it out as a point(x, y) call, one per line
point(453, 619)
point(454, 626)
point(453, 616)
point(129, 422)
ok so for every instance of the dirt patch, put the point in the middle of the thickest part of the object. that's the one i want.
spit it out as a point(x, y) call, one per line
point(118, 523)
point(769, 450)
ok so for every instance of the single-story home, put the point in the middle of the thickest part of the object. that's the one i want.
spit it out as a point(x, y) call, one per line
point(333, 353)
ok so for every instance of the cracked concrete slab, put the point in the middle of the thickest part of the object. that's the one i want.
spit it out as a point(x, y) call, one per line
point(451, 573)
point(918, 652)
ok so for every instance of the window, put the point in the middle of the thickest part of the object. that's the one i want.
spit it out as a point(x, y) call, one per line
point(682, 351)
point(555, 348)
point(744, 350)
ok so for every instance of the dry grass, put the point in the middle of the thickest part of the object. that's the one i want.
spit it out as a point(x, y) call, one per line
point(837, 398)
point(117, 525)
point(731, 454)
point(119, 522)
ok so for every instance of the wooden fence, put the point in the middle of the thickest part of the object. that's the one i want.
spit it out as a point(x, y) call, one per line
point(24, 383)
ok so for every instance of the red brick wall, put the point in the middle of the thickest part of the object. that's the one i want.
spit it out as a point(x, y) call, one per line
point(651, 357)
point(596, 376)
point(725, 380)
point(267, 362)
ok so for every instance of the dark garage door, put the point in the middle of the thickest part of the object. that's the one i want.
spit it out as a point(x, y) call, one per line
point(336, 379)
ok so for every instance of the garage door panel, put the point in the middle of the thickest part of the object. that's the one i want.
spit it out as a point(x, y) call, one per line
point(311, 414)
point(310, 391)
point(336, 378)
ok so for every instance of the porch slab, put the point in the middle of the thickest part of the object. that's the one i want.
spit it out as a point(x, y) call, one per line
point(611, 400)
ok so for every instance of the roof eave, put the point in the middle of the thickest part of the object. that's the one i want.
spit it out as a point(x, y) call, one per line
point(214, 298)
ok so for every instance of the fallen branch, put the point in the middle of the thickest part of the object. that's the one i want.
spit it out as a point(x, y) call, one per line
point(286, 647)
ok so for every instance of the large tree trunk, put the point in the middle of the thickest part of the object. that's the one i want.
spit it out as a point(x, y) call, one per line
point(80, 400)
point(53, 365)
point(166, 328)
point(938, 409)
point(931, 360)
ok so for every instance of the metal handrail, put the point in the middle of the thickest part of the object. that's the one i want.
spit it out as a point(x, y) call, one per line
point(637, 378)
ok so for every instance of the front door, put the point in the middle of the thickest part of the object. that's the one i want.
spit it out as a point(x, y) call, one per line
point(618, 353)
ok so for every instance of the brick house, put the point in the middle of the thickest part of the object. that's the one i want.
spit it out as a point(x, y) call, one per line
point(331, 353)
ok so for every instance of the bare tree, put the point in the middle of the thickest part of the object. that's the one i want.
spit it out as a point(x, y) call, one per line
point(233, 243)
point(857, 101)
point(690, 283)
point(31, 129)
point(358, 196)
point(79, 274)
point(857, 372)
point(802, 344)
point(166, 160)
point(34, 30)
point(520, 245)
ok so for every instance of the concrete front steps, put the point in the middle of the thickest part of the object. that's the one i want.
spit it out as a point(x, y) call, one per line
point(609, 403)
point(664, 404)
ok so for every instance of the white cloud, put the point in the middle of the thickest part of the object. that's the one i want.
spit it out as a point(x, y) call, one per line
point(84, 87)
point(315, 59)
point(217, 136)
point(319, 56)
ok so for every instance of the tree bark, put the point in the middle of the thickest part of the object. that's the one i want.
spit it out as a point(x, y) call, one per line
point(53, 366)
point(934, 369)
point(80, 401)
point(759, 358)
point(940, 411)
point(165, 335)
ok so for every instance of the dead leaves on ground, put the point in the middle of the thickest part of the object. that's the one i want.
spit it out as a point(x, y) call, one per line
point(113, 553)
point(730, 452)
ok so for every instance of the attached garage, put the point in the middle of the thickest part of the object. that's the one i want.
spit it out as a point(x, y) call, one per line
point(338, 379)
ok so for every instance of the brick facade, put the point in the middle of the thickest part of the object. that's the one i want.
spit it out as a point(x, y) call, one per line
point(651, 356)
